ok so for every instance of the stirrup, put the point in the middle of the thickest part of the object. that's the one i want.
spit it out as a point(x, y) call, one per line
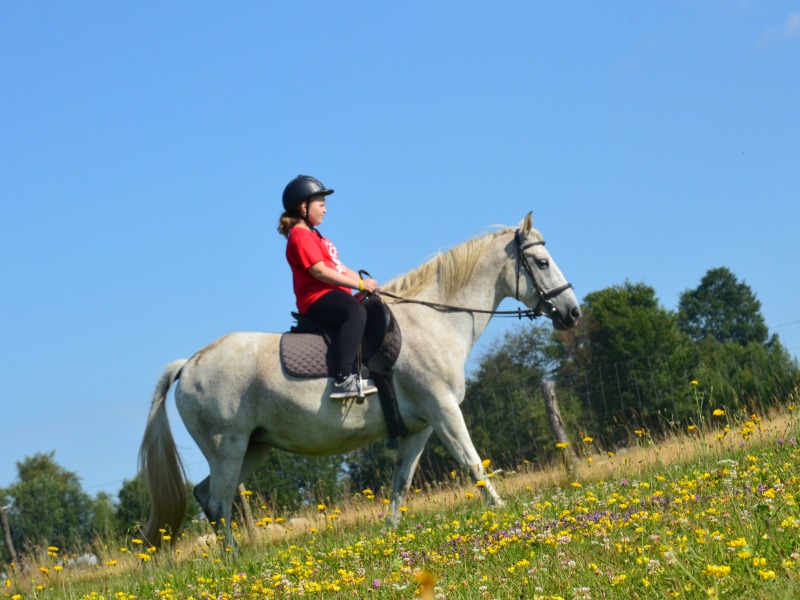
point(352, 387)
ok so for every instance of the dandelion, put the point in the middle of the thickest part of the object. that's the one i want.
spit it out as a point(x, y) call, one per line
point(562, 445)
point(588, 439)
point(639, 432)
point(694, 382)
point(486, 463)
point(576, 485)
point(718, 412)
point(610, 454)
point(480, 483)
point(321, 507)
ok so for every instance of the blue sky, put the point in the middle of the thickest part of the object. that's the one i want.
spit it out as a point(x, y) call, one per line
point(144, 148)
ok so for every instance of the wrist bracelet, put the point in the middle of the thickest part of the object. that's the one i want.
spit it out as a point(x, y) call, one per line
point(360, 285)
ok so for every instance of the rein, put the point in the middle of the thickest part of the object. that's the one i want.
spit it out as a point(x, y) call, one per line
point(543, 308)
point(519, 313)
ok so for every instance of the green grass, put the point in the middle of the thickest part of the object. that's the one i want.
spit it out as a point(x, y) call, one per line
point(713, 512)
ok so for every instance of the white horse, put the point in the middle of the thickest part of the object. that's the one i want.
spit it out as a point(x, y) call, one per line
point(237, 402)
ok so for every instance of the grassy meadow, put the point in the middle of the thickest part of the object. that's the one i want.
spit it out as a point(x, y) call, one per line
point(711, 512)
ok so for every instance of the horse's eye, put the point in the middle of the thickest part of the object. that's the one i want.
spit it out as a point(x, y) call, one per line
point(542, 263)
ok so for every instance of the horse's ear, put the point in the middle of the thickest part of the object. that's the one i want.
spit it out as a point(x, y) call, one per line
point(526, 225)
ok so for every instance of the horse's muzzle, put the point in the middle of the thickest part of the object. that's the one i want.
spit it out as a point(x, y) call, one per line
point(570, 319)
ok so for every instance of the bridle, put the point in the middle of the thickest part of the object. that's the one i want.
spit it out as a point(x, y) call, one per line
point(543, 308)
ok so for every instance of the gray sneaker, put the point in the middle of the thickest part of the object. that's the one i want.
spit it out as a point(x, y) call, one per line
point(349, 388)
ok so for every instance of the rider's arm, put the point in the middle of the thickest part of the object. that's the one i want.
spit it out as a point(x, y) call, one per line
point(332, 277)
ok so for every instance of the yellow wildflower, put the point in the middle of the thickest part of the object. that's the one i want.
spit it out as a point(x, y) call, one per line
point(766, 574)
point(717, 570)
point(718, 412)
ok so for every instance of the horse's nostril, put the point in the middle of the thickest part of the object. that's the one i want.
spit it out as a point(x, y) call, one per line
point(576, 313)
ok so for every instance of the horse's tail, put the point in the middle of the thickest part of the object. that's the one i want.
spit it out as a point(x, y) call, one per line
point(160, 466)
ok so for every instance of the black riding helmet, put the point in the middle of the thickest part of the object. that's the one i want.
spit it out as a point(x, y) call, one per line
point(300, 189)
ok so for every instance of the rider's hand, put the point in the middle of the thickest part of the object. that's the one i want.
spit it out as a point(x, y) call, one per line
point(370, 285)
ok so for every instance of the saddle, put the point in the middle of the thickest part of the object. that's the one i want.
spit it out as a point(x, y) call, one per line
point(305, 351)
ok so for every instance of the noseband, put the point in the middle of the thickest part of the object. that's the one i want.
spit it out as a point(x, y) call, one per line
point(544, 306)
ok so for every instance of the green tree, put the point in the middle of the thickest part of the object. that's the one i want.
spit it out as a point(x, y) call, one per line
point(625, 362)
point(503, 407)
point(722, 307)
point(103, 515)
point(48, 506)
point(754, 376)
point(287, 481)
point(370, 467)
point(133, 507)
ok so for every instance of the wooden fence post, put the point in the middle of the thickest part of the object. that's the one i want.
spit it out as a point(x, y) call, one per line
point(557, 426)
point(7, 533)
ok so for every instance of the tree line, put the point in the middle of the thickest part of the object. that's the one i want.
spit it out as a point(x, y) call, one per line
point(630, 365)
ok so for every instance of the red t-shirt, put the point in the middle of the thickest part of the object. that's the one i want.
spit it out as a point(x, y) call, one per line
point(305, 248)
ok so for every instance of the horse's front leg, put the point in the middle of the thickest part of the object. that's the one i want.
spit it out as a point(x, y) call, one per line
point(452, 431)
point(409, 449)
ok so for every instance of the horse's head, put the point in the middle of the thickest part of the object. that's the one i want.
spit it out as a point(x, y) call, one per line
point(537, 280)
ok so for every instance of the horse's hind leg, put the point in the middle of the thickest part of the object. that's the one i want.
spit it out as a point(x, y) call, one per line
point(217, 492)
point(409, 449)
point(253, 457)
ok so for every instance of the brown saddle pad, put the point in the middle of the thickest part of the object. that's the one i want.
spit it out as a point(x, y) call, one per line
point(308, 354)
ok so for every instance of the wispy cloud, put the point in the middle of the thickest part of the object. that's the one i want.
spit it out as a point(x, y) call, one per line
point(789, 29)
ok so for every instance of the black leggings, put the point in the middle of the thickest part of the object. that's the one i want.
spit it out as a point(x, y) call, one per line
point(341, 310)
